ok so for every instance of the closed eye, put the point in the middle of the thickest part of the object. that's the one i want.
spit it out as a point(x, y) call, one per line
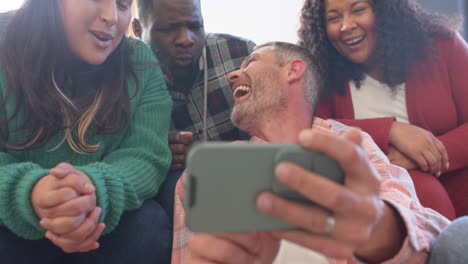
point(360, 10)
point(123, 5)
point(332, 19)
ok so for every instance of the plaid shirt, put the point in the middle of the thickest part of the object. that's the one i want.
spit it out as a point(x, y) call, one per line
point(422, 224)
point(224, 54)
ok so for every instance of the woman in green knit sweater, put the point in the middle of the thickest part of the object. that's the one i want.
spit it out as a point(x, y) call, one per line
point(84, 115)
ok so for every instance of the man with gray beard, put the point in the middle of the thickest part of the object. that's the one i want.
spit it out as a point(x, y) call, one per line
point(374, 217)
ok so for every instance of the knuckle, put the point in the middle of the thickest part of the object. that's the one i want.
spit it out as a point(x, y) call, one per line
point(65, 194)
point(173, 148)
point(350, 152)
point(337, 200)
point(64, 228)
point(370, 216)
point(79, 237)
point(367, 215)
point(77, 208)
point(360, 236)
point(76, 222)
point(48, 213)
point(41, 202)
point(92, 199)
point(180, 158)
point(173, 136)
point(182, 148)
point(354, 154)
point(72, 179)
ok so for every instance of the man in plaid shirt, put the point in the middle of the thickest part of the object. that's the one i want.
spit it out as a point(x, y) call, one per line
point(193, 61)
point(195, 65)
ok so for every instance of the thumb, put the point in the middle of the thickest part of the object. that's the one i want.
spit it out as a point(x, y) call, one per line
point(62, 170)
point(79, 182)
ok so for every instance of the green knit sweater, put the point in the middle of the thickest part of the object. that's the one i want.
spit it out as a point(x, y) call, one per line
point(128, 168)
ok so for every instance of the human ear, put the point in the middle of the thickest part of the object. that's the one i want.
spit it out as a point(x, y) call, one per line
point(296, 70)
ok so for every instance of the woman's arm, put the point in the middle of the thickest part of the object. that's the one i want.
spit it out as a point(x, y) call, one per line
point(455, 139)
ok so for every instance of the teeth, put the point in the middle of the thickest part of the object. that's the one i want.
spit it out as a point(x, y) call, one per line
point(100, 37)
point(354, 41)
point(242, 88)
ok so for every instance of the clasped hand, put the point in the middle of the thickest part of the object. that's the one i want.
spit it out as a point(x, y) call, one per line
point(414, 147)
point(179, 143)
point(65, 202)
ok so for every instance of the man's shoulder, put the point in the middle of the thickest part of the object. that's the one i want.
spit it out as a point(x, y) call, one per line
point(225, 37)
point(216, 41)
point(330, 126)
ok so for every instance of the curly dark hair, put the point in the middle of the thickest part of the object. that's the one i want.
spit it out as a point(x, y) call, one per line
point(405, 35)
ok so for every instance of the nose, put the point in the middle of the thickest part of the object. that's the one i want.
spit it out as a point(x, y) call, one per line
point(348, 24)
point(232, 77)
point(109, 12)
point(185, 37)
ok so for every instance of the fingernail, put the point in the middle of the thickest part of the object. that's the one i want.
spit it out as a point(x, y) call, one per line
point(89, 187)
point(282, 172)
point(42, 223)
point(48, 235)
point(438, 174)
point(264, 203)
point(447, 165)
point(98, 209)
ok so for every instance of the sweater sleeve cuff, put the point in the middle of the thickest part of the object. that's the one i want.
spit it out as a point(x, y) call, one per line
point(15, 201)
point(106, 185)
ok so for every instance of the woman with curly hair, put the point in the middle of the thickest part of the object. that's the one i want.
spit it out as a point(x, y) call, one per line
point(398, 72)
point(84, 117)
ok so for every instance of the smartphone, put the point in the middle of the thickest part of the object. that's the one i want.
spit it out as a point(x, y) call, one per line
point(224, 180)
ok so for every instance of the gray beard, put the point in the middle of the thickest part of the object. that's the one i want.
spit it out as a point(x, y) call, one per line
point(249, 115)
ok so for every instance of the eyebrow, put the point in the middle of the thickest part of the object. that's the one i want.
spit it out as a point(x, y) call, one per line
point(352, 5)
point(359, 1)
point(250, 57)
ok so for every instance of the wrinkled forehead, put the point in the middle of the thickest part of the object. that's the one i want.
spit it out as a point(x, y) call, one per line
point(176, 11)
point(266, 51)
point(265, 54)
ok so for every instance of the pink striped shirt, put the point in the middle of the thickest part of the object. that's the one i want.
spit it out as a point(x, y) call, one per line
point(422, 224)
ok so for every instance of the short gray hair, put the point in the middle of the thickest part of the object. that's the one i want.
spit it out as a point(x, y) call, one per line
point(286, 52)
